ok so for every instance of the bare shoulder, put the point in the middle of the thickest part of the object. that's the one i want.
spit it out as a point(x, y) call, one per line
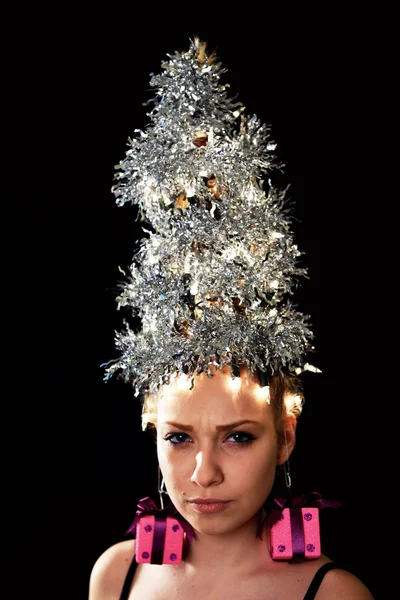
point(109, 571)
point(338, 583)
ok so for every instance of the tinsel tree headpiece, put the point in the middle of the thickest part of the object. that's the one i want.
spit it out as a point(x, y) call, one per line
point(210, 283)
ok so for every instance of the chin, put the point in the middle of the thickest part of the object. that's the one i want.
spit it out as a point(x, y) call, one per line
point(218, 523)
point(212, 526)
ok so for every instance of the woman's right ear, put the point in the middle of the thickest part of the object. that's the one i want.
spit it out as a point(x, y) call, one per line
point(286, 439)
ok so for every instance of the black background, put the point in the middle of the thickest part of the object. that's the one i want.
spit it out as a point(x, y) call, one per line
point(79, 461)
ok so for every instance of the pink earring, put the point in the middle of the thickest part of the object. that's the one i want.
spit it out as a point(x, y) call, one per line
point(293, 521)
point(159, 532)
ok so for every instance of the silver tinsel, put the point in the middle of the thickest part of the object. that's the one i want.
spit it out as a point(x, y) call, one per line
point(211, 283)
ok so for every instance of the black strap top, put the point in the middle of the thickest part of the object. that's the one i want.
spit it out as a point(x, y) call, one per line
point(128, 580)
point(318, 577)
point(310, 594)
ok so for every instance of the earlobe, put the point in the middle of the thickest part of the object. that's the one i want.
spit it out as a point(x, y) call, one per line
point(286, 439)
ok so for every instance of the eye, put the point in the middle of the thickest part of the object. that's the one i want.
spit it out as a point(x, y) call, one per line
point(169, 438)
point(239, 435)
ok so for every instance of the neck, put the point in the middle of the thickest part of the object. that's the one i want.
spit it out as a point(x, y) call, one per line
point(240, 549)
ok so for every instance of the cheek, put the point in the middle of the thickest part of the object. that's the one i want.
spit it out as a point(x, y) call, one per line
point(257, 471)
point(257, 468)
point(171, 464)
point(176, 473)
point(161, 455)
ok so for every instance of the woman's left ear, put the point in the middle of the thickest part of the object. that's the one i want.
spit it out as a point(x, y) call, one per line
point(286, 439)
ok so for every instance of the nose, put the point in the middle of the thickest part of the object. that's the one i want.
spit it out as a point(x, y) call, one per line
point(207, 470)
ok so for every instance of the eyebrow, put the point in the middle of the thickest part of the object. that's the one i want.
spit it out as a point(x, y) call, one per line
point(218, 427)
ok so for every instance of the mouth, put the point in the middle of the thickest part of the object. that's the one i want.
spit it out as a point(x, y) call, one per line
point(208, 505)
point(207, 500)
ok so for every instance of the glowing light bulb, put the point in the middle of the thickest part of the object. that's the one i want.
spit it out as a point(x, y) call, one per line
point(293, 404)
point(153, 259)
point(263, 394)
point(235, 384)
point(187, 266)
point(308, 367)
point(229, 254)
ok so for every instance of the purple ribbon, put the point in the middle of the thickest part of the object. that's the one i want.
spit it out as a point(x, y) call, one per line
point(157, 551)
point(297, 529)
point(146, 506)
point(311, 500)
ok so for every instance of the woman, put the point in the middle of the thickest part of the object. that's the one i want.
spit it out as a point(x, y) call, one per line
point(222, 441)
point(211, 286)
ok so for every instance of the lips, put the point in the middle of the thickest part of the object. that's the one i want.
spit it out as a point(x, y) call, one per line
point(207, 500)
point(208, 505)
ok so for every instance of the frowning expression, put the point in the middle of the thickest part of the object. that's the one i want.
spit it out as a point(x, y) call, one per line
point(217, 441)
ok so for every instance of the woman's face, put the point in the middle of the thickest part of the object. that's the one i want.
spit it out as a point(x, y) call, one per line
point(203, 454)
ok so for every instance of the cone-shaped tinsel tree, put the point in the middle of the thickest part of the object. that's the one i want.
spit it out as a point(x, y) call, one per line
point(211, 285)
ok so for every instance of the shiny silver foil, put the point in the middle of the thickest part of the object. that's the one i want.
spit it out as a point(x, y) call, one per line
point(212, 280)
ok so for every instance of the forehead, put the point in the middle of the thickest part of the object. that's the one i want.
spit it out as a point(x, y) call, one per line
point(220, 399)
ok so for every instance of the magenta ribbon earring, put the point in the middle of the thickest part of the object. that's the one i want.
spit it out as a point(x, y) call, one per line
point(300, 510)
point(158, 550)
